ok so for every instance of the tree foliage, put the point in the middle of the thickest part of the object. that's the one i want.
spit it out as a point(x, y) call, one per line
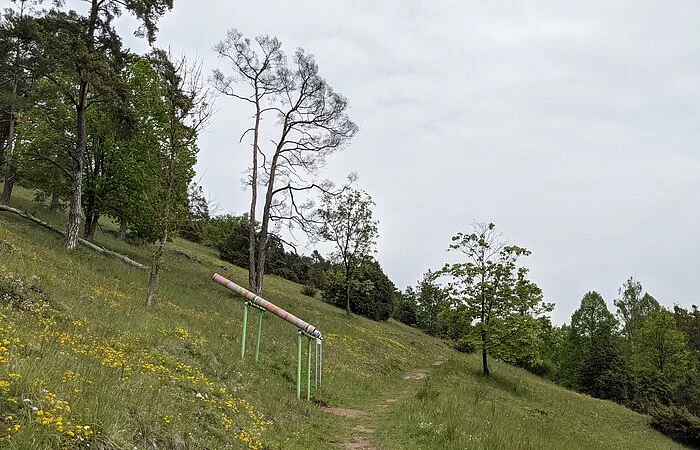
point(372, 293)
point(187, 108)
point(349, 225)
point(431, 298)
point(494, 287)
point(633, 308)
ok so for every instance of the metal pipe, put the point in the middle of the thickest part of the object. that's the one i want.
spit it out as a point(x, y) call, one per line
point(274, 309)
point(257, 342)
point(245, 328)
point(308, 368)
point(299, 365)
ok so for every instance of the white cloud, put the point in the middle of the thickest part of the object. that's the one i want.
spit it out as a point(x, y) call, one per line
point(572, 125)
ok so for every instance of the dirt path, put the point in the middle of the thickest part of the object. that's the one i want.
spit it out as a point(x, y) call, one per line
point(363, 428)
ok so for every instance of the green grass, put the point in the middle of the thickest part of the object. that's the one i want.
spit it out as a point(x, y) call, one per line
point(75, 335)
point(456, 407)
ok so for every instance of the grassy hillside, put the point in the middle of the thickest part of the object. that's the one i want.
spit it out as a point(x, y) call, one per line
point(82, 361)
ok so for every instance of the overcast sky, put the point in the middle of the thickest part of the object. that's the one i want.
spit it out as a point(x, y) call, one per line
point(574, 126)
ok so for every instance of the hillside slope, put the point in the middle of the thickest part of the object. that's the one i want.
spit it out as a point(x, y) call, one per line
point(82, 361)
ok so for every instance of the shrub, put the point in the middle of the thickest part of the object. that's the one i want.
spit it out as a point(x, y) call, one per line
point(465, 345)
point(371, 292)
point(405, 310)
point(308, 290)
point(677, 423)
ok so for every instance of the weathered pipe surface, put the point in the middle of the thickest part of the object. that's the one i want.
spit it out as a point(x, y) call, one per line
point(274, 309)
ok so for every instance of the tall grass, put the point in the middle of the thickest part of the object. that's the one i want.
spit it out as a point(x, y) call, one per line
point(82, 361)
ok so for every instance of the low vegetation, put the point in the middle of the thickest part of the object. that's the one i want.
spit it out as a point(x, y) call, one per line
point(83, 361)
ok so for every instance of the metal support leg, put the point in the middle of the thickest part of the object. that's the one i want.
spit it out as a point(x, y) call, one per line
point(299, 365)
point(257, 342)
point(308, 368)
point(245, 328)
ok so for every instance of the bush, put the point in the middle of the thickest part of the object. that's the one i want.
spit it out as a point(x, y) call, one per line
point(371, 291)
point(308, 290)
point(677, 423)
point(405, 310)
point(465, 345)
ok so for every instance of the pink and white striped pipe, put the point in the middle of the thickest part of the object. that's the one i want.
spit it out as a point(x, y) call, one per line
point(274, 309)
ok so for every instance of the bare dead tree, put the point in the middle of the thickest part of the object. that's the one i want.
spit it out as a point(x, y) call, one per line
point(311, 123)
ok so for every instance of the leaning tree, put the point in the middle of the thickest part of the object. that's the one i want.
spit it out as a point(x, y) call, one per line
point(310, 122)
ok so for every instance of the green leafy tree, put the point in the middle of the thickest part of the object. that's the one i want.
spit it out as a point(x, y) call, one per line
point(494, 287)
point(431, 298)
point(591, 361)
point(317, 271)
point(137, 204)
point(455, 323)
point(633, 308)
point(77, 48)
point(688, 323)
point(188, 109)
point(348, 224)
point(372, 294)
point(20, 67)
point(197, 214)
point(122, 161)
point(661, 351)
point(44, 144)
point(405, 307)
point(593, 319)
point(230, 235)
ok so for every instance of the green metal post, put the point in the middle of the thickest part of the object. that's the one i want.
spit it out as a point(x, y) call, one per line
point(308, 368)
point(298, 365)
point(257, 342)
point(245, 328)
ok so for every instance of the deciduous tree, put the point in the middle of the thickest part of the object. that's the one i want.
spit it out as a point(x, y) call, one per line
point(633, 308)
point(187, 109)
point(77, 46)
point(431, 298)
point(311, 123)
point(661, 351)
point(19, 69)
point(494, 287)
point(349, 225)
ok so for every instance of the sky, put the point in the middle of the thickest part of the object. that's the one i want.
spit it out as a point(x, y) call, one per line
point(573, 126)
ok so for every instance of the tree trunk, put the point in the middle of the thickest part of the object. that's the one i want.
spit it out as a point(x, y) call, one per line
point(122, 231)
point(169, 184)
point(10, 178)
point(155, 270)
point(75, 210)
point(262, 244)
point(97, 248)
point(55, 202)
point(484, 354)
point(90, 213)
point(91, 226)
point(347, 291)
point(10, 170)
point(252, 260)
